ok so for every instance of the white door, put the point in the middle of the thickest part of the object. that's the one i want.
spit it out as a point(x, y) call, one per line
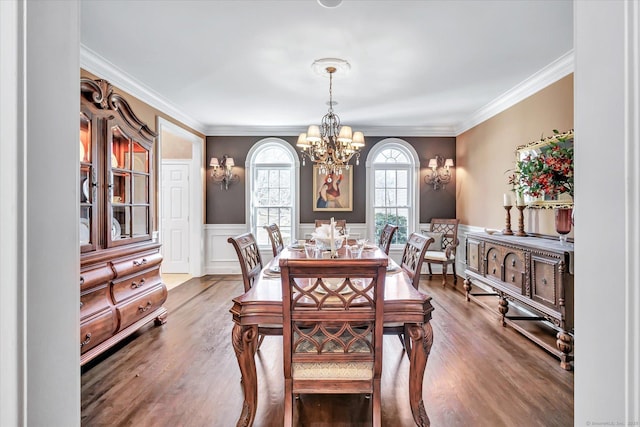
point(175, 218)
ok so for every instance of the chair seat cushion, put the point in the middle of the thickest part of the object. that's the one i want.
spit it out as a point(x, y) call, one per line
point(437, 256)
point(332, 370)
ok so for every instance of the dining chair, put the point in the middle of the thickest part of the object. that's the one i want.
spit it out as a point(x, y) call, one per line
point(411, 264)
point(275, 237)
point(386, 236)
point(332, 329)
point(251, 265)
point(443, 250)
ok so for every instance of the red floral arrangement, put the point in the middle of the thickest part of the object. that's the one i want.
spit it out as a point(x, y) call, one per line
point(548, 173)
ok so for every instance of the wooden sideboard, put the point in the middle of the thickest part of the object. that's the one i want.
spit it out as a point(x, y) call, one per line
point(534, 273)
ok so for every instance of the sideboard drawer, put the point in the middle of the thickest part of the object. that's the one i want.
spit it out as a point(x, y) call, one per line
point(137, 264)
point(132, 285)
point(514, 271)
point(95, 300)
point(544, 284)
point(494, 261)
point(97, 330)
point(141, 306)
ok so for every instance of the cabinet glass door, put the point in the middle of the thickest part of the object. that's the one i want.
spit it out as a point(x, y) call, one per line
point(87, 185)
point(129, 189)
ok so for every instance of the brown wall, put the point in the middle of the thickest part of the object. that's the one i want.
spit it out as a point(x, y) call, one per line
point(175, 147)
point(228, 207)
point(487, 151)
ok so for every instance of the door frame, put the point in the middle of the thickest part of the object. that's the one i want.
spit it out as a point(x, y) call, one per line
point(196, 192)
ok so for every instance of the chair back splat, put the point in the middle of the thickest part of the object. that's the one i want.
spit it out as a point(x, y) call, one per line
point(413, 256)
point(386, 236)
point(275, 237)
point(249, 256)
point(332, 328)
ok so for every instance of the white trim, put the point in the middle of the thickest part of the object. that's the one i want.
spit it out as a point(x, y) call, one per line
point(249, 180)
point(96, 64)
point(196, 191)
point(632, 207)
point(435, 130)
point(553, 72)
point(12, 214)
point(220, 257)
point(413, 224)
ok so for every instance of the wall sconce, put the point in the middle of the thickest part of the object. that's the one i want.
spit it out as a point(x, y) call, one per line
point(222, 171)
point(440, 174)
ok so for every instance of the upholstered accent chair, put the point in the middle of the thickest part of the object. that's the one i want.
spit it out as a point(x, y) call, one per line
point(275, 237)
point(386, 236)
point(411, 264)
point(251, 265)
point(443, 250)
point(332, 329)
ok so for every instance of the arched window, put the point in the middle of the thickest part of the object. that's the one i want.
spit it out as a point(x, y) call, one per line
point(272, 181)
point(392, 186)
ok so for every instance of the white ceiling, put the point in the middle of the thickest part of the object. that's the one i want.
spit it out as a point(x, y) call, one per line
point(244, 67)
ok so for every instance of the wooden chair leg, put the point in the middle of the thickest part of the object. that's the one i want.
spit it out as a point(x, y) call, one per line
point(376, 404)
point(444, 274)
point(430, 273)
point(455, 275)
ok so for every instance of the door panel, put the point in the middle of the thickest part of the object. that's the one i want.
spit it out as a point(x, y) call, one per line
point(175, 218)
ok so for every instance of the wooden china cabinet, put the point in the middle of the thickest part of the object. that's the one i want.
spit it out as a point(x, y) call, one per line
point(120, 285)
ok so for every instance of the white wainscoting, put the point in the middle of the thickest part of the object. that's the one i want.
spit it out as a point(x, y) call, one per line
point(220, 257)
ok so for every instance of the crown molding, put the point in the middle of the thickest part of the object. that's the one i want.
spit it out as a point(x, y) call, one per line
point(553, 72)
point(396, 131)
point(96, 64)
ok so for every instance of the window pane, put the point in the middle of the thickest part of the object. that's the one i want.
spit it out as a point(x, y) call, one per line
point(403, 178)
point(379, 178)
point(379, 197)
point(402, 197)
point(391, 178)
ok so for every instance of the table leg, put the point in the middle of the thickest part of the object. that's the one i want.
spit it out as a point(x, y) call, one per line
point(421, 341)
point(245, 340)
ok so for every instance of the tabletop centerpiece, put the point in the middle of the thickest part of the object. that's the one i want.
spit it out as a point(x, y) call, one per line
point(329, 237)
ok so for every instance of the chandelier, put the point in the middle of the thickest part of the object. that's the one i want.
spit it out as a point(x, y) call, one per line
point(330, 146)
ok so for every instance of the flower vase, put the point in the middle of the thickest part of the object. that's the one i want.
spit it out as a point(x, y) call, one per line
point(563, 222)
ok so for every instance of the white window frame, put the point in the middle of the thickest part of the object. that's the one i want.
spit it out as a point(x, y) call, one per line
point(414, 187)
point(250, 167)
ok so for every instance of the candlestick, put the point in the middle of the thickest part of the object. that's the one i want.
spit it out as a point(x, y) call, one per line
point(507, 230)
point(520, 231)
point(507, 200)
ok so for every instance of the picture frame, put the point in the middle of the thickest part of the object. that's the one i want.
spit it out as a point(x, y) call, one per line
point(340, 191)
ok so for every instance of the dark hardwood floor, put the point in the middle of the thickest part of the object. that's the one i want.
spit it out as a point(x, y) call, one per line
point(184, 373)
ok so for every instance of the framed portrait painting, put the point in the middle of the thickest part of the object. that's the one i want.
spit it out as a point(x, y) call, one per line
point(333, 192)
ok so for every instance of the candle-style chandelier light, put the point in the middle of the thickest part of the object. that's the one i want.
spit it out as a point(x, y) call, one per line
point(330, 145)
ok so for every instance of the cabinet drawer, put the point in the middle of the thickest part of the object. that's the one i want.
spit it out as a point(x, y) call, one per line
point(132, 285)
point(96, 330)
point(139, 307)
point(514, 271)
point(136, 264)
point(543, 280)
point(494, 262)
point(96, 276)
point(93, 301)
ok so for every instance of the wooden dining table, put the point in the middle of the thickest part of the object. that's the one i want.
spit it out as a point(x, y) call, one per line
point(262, 305)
